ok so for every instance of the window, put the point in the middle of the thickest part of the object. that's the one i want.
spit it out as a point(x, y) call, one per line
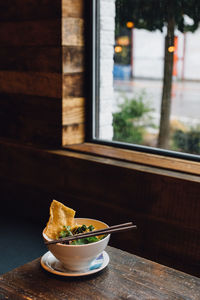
point(146, 57)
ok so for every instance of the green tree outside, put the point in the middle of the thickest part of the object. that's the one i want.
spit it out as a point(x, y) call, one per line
point(155, 15)
point(130, 122)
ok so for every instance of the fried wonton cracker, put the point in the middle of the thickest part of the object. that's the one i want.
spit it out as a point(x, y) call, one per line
point(60, 215)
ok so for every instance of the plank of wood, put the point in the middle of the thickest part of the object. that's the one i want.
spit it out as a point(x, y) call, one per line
point(20, 119)
point(31, 33)
point(73, 111)
point(73, 134)
point(15, 10)
point(73, 59)
point(72, 32)
point(40, 59)
point(73, 8)
point(31, 83)
point(126, 277)
point(73, 85)
point(148, 159)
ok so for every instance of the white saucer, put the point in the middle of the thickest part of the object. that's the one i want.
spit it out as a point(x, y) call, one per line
point(52, 265)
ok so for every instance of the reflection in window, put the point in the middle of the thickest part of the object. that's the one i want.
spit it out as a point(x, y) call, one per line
point(149, 73)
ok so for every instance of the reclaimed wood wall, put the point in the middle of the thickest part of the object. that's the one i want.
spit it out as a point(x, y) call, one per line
point(42, 104)
point(41, 71)
point(73, 113)
point(30, 71)
point(165, 207)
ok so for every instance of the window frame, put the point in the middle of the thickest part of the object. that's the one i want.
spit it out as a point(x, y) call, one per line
point(92, 46)
point(144, 156)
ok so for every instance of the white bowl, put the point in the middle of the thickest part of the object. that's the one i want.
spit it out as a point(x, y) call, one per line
point(79, 257)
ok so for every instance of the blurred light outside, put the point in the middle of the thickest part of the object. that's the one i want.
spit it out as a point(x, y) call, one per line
point(129, 24)
point(123, 41)
point(171, 49)
point(118, 49)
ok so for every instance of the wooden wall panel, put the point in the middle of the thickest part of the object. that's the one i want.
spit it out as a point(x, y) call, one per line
point(20, 10)
point(72, 32)
point(31, 71)
point(73, 59)
point(42, 54)
point(31, 83)
point(73, 72)
point(34, 59)
point(73, 85)
point(73, 111)
point(164, 207)
point(20, 119)
point(73, 134)
point(74, 102)
point(73, 8)
point(31, 33)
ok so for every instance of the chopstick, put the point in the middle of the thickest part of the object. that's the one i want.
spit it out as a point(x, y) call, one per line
point(111, 229)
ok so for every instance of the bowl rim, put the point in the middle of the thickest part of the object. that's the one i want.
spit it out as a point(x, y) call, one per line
point(84, 245)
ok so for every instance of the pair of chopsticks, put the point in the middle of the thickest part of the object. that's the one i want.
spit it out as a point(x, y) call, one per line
point(111, 229)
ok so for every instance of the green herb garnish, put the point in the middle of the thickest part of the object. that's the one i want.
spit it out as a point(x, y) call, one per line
point(67, 231)
point(83, 241)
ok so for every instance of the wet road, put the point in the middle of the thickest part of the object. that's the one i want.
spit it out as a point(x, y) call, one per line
point(185, 97)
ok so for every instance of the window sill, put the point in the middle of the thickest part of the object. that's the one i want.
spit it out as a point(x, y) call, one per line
point(145, 159)
point(17, 156)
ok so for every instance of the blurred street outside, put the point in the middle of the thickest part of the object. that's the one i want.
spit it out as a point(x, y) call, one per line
point(185, 97)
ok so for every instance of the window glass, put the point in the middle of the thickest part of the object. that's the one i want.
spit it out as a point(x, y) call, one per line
point(148, 78)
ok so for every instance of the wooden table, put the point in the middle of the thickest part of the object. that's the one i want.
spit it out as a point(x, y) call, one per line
point(126, 277)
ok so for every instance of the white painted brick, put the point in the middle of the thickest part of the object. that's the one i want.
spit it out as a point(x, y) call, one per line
point(107, 24)
point(106, 94)
point(107, 51)
point(106, 116)
point(107, 8)
point(107, 41)
point(107, 38)
point(106, 132)
point(106, 81)
point(106, 66)
point(105, 105)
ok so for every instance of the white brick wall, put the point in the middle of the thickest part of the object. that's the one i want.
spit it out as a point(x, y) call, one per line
point(107, 41)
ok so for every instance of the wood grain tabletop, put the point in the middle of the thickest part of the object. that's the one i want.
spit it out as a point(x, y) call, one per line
point(126, 277)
